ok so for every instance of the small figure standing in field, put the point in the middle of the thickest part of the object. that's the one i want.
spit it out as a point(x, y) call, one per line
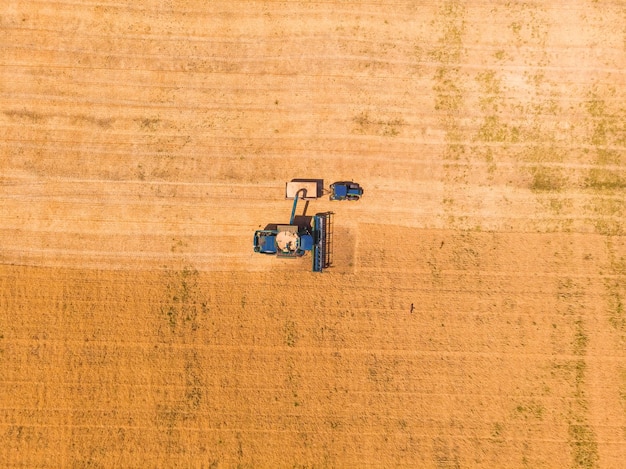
point(412, 308)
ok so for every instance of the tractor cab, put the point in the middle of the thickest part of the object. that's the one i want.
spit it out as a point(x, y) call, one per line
point(345, 190)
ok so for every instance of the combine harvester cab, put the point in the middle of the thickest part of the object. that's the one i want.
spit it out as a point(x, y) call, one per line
point(265, 241)
point(345, 190)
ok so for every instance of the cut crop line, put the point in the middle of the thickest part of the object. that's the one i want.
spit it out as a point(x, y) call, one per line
point(302, 74)
point(330, 351)
point(243, 59)
point(306, 92)
point(501, 219)
point(374, 155)
point(272, 390)
point(108, 182)
point(513, 274)
point(162, 219)
point(413, 118)
point(99, 200)
point(253, 40)
point(315, 433)
point(194, 12)
point(333, 10)
point(73, 253)
point(343, 58)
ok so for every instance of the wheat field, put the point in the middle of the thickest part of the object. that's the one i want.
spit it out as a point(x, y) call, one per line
point(473, 315)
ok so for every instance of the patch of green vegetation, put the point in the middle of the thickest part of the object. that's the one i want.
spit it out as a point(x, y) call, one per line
point(545, 179)
point(529, 410)
point(291, 334)
point(580, 338)
point(582, 439)
point(193, 382)
point(617, 316)
point(446, 455)
point(556, 205)
point(616, 289)
point(536, 79)
point(607, 157)
point(516, 27)
point(293, 380)
point(183, 305)
point(29, 115)
point(453, 151)
point(497, 433)
point(448, 91)
point(489, 82)
point(540, 153)
point(584, 445)
point(492, 130)
point(608, 227)
point(622, 386)
point(566, 289)
point(602, 179)
point(608, 206)
point(608, 129)
point(384, 127)
point(595, 106)
point(608, 212)
point(449, 96)
point(453, 29)
point(607, 126)
point(489, 157)
point(149, 124)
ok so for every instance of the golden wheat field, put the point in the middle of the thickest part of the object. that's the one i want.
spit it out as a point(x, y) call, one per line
point(474, 314)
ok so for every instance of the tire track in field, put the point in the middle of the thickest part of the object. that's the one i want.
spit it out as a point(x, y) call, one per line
point(610, 332)
point(606, 206)
point(449, 95)
point(583, 440)
point(182, 311)
point(450, 99)
point(607, 177)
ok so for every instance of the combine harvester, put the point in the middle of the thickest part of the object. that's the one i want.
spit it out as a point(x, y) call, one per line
point(303, 233)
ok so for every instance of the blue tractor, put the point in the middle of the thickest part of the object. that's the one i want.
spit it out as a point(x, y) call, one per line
point(295, 239)
point(345, 190)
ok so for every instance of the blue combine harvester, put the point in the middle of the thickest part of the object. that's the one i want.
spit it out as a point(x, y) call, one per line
point(296, 238)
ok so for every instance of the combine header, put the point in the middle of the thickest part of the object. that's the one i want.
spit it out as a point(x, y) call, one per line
point(322, 249)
